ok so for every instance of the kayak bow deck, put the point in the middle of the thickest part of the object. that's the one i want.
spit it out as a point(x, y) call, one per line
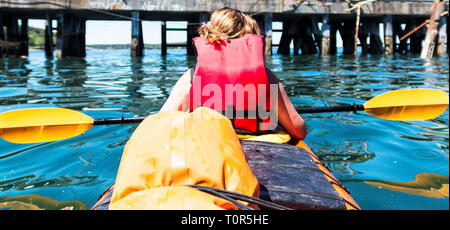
point(288, 175)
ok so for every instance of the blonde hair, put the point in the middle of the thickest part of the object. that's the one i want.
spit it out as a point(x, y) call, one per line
point(228, 23)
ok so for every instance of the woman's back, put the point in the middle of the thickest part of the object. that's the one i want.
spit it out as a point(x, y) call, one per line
point(230, 73)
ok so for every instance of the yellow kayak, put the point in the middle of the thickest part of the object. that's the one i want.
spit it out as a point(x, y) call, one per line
point(178, 160)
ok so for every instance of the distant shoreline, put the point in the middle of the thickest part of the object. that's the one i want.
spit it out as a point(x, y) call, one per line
point(117, 47)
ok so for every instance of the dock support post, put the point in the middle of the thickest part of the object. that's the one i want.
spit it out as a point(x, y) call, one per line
point(388, 35)
point(265, 26)
point(24, 38)
point(10, 45)
point(193, 25)
point(357, 24)
point(363, 33)
point(12, 29)
point(333, 32)
point(267, 32)
point(284, 48)
point(163, 38)
point(303, 39)
point(137, 38)
point(376, 46)
point(416, 39)
point(13, 43)
point(70, 41)
point(442, 39)
point(48, 37)
point(402, 46)
point(325, 49)
point(430, 38)
point(317, 40)
point(347, 32)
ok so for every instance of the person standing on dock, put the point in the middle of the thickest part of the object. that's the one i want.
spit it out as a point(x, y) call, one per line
point(230, 76)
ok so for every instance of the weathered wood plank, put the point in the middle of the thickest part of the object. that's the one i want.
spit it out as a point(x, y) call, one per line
point(308, 7)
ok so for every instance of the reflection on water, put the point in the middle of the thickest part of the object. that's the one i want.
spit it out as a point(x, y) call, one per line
point(424, 184)
point(108, 83)
point(31, 182)
point(36, 202)
point(341, 162)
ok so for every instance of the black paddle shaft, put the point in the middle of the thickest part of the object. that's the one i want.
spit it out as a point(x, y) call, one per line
point(340, 108)
point(122, 120)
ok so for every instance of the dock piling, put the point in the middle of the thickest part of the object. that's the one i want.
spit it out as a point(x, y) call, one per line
point(416, 38)
point(24, 38)
point(376, 46)
point(333, 32)
point(325, 39)
point(137, 38)
point(13, 38)
point(287, 35)
point(265, 25)
point(388, 35)
point(317, 34)
point(163, 38)
point(442, 38)
point(193, 24)
point(430, 38)
point(303, 36)
point(48, 43)
point(347, 32)
point(363, 34)
point(70, 38)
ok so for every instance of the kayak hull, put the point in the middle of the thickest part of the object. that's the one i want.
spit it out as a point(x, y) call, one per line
point(290, 175)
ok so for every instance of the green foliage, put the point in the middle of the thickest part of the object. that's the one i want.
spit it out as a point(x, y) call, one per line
point(36, 37)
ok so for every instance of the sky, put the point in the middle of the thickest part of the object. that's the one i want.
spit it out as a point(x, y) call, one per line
point(119, 32)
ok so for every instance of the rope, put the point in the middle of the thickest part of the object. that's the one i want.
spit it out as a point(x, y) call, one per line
point(237, 196)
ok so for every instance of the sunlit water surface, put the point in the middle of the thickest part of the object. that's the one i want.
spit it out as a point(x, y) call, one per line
point(384, 164)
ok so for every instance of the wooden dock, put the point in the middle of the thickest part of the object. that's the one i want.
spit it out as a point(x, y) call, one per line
point(312, 25)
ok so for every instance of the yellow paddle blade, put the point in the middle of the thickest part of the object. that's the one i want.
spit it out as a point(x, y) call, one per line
point(42, 124)
point(408, 104)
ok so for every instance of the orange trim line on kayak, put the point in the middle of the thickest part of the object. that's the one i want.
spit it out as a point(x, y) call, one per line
point(350, 204)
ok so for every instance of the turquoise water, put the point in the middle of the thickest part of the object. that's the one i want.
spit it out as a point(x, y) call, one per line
point(369, 155)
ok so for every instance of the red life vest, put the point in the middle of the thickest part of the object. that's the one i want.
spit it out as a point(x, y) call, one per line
point(230, 77)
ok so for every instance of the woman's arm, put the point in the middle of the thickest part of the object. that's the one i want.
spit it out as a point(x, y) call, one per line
point(178, 96)
point(288, 117)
